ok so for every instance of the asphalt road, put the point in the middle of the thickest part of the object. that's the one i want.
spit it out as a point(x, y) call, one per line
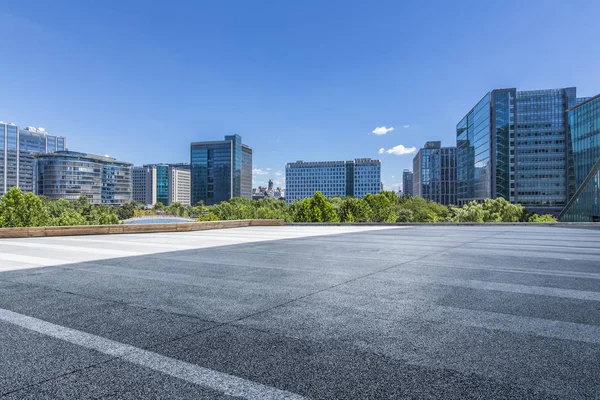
point(442, 312)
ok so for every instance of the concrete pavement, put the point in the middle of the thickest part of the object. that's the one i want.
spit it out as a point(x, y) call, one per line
point(304, 312)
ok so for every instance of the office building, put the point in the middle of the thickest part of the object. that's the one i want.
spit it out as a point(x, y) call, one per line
point(434, 173)
point(179, 184)
point(220, 170)
point(69, 175)
point(17, 146)
point(142, 178)
point(584, 135)
point(332, 178)
point(513, 145)
point(407, 182)
point(164, 183)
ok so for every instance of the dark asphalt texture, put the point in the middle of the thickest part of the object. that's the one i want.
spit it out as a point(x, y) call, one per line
point(422, 312)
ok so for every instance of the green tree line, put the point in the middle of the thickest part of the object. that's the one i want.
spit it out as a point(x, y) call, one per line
point(18, 209)
point(381, 207)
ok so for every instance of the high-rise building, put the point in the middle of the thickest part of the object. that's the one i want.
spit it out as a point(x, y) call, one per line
point(142, 178)
point(179, 184)
point(332, 178)
point(246, 189)
point(513, 144)
point(69, 175)
point(434, 173)
point(17, 146)
point(164, 183)
point(407, 182)
point(584, 135)
point(220, 170)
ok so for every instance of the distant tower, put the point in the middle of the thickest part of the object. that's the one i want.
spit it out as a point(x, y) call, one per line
point(270, 184)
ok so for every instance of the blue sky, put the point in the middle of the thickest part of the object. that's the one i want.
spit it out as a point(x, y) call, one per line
point(298, 80)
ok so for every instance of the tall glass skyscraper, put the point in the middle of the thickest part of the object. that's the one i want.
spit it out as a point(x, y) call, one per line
point(220, 170)
point(69, 175)
point(514, 144)
point(355, 178)
point(407, 182)
point(434, 173)
point(483, 140)
point(584, 129)
point(17, 147)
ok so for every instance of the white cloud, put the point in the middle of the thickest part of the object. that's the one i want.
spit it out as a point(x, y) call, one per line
point(382, 130)
point(399, 150)
point(268, 169)
point(406, 126)
point(278, 173)
point(258, 171)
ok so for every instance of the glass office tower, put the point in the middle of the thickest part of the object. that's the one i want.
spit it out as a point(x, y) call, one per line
point(220, 170)
point(434, 173)
point(514, 144)
point(584, 132)
point(162, 184)
point(542, 147)
point(17, 147)
point(246, 169)
point(69, 175)
point(355, 178)
point(407, 182)
point(484, 139)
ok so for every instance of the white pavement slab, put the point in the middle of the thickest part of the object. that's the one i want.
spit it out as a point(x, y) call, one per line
point(23, 253)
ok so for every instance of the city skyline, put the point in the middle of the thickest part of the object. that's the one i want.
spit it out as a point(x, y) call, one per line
point(312, 84)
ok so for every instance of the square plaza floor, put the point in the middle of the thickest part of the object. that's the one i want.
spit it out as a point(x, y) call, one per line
point(446, 312)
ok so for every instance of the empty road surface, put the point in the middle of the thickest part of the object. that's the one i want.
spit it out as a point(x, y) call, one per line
point(304, 312)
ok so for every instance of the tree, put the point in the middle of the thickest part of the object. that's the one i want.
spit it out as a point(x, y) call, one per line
point(105, 218)
point(315, 209)
point(68, 217)
point(355, 210)
point(404, 215)
point(541, 218)
point(471, 212)
point(159, 206)
point(22, 210)
point(382, 208)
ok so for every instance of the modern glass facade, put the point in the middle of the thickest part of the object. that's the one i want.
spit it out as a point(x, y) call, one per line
point(332, 178)
point(162, 184)
point(514, 145)
point(367, 176)
point(17, 147)
point(473, 157)
point(218, 168)
point(69, 175)
point(434, 173)
point(246, 169)
point(542, 147)
point(584, 132)
point(407, 182)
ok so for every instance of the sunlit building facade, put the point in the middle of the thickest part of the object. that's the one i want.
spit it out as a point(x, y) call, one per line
point(17, 146)
point(220, 170)
point(179, 184)
point(514, 145)
point(69, 175)
point(434, 173)
point(584, 130)
point(355, 178)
